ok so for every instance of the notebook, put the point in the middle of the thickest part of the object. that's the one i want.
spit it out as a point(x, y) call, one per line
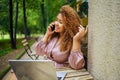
point(36, 70)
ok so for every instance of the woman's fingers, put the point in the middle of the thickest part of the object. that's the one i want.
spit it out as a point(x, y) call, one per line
point(49, 28)
point(83, 31)
point(81, 28)
point(86, 30)
point(53, 23)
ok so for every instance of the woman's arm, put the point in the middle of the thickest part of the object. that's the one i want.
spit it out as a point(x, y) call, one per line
point(78, 37)
point(40, 47)
point(76, 59)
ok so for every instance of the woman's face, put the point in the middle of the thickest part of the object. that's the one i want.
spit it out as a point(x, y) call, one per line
point(59, 24)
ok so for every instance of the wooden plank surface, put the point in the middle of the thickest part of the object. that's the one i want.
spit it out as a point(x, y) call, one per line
point(81, 74)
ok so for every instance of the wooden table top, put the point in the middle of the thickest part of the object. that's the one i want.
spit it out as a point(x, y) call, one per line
point(81, 74)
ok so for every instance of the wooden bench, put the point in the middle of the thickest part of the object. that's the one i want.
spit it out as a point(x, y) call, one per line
point(28, 50)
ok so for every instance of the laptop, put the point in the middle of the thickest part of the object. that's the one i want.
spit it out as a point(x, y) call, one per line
point(36, 70)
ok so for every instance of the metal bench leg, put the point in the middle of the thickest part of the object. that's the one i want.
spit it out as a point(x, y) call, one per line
point(29, 54)
point(37, 57)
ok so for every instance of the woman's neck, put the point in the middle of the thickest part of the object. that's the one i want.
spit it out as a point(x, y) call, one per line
point(59, 38)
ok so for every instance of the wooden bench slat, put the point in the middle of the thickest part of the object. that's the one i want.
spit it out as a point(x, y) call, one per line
point(28, 50)
point(23, 41)
point(25, 44)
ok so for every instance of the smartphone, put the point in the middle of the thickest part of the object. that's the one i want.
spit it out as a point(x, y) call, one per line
point(52, 27)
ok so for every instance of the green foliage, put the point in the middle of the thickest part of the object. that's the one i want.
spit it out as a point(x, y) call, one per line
point(5, 46)
point(4, 71)
point(71, 2)
point(4, 16)
point(4, 43)
point(52, 8)
point(83, 9)
point(5, 51)
point(33, 14)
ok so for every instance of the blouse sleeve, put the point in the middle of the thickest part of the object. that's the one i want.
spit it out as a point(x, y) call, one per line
point(40, 47)
point(76, 59)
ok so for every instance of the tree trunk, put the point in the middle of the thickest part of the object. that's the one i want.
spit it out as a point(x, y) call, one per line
point(25, 21)
point(16, 21)
point(43, 15)
point(11, 25)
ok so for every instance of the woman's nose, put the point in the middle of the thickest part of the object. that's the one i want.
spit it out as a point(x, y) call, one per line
point(56, 23)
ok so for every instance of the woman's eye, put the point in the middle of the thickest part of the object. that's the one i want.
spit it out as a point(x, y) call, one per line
point(60, 22)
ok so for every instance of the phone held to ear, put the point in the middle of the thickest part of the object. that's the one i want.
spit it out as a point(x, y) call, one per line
point(52, 27)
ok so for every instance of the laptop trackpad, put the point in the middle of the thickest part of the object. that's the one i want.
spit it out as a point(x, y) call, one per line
point(61, 75)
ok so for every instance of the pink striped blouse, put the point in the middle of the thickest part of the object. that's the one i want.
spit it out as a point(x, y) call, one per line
point(61, 59)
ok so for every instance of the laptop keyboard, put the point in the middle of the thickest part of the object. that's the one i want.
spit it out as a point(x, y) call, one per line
point(59, 78)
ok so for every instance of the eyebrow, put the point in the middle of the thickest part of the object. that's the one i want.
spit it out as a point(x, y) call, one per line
point(58, 19)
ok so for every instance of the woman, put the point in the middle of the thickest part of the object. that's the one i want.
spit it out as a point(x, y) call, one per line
point(62, 44)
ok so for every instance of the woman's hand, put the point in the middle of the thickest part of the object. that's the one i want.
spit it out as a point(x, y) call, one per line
point(49, 31)
point(82, 32)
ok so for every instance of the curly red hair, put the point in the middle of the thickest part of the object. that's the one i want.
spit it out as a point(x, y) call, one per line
point(71, 22)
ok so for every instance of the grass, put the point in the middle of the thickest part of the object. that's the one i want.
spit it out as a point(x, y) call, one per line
point(5, 46)
point(4, 51)
point(4, 71)
point(6, 36)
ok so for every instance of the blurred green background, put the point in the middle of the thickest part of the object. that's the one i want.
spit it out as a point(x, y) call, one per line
point(29, 18)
